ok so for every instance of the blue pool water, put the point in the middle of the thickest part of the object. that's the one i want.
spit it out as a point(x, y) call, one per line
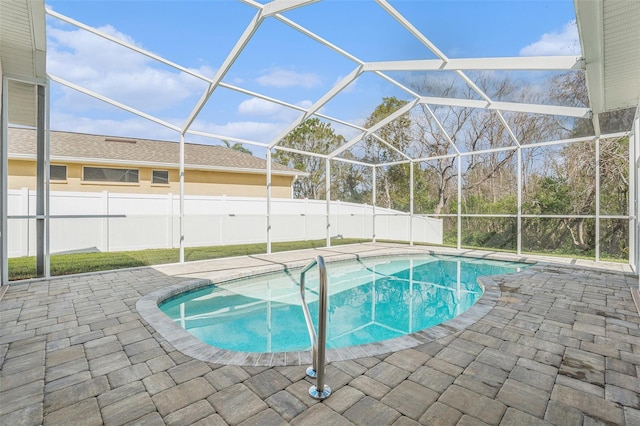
point(369, 300)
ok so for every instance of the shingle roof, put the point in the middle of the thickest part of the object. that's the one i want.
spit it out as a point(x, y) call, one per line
point(106, 149)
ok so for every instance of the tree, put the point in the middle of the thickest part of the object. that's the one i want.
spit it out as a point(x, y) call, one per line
point(237, 147)
point(570, 89)
point(312, 136)
point(489, 180)
point(566, 185)
point(579, 165)
point(350, 182)
point(392, 181)
point(464, 128)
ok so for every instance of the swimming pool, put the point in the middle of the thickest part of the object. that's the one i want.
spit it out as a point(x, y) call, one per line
point(370, 300)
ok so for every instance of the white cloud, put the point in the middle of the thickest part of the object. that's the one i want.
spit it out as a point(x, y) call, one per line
point(89, 50)
point(256, 131)
point(279, 77)
point(566, 42)
point(116, 72)
point(131, 127)
point(142, 83)
point(257, 106)
point(140, 128)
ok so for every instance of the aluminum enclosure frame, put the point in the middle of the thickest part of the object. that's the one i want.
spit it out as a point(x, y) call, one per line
point(274, 10)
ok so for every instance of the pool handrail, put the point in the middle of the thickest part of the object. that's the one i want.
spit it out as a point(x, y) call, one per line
point(318, 342)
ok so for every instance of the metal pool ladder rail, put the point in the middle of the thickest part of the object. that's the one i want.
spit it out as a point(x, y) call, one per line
point(318, 343)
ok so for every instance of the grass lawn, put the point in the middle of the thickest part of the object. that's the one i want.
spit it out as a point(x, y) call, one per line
point(76, 263)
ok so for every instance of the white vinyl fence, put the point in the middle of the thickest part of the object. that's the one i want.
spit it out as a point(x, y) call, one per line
point(103, 221)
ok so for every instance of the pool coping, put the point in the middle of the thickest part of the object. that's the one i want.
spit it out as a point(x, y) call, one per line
point(183, 341)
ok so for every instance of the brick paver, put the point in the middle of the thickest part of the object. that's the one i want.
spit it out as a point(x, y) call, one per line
point(410, 399)
point(369, 411)
point(84, 413)
point(560, 346)
point(286, 405)
point(237, 403)
point(182, 395)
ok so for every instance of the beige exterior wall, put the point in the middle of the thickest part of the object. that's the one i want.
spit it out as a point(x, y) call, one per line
point(22, 175)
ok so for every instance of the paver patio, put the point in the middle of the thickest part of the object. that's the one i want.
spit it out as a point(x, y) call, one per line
point(560, 346)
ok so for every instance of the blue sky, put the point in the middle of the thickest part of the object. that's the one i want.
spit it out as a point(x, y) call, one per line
point(278, 61)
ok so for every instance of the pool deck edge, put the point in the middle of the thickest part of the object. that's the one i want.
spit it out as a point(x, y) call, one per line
point(148, 308)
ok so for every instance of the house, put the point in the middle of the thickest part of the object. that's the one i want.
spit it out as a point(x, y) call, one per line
point(92, 163)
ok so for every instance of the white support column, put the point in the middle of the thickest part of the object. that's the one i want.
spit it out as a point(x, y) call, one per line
point(632, 198)
point(268, 201)
point(634, 195)
point(327, 181)
point(519, 204)
point(47, 180)
point(636, 210)
point(181, 197)
point(4, 198)
point(597, 199)
point(373, 201)
point(411, 203)
point(459, 217)
point(41, 164)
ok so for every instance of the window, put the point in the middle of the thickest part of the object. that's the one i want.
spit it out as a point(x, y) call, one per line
point(160, 177)
point(102, 174)
point(57, 172)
